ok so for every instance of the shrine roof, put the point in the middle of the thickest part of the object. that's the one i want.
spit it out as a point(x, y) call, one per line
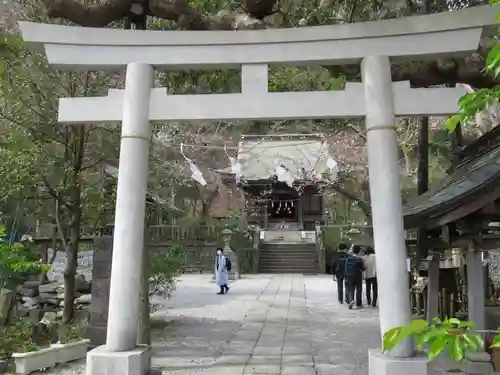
point(472, 185)
point(259, 155)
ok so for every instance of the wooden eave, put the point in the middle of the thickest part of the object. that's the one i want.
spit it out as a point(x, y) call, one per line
point(474, 184)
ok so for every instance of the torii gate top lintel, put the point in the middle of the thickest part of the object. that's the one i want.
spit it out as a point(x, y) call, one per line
point(427, 36)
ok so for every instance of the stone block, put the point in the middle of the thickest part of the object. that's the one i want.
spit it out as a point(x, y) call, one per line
point(297, 359)
point(101, 275)
point(478, 356)
point(473, 368)
point(96, 335)
point(298, 370)
point(263, 369)
point(381, 364)
point(102, 362)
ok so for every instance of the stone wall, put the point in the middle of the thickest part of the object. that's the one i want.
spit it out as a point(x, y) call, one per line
point(101, 273)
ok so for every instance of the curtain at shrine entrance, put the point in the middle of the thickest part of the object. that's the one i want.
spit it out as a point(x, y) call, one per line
point(283, 210)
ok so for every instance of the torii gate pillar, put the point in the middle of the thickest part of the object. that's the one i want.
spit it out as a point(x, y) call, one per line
point(385, 197)
point(122, 355)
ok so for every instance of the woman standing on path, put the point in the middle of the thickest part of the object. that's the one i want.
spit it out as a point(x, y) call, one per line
point(222, 266)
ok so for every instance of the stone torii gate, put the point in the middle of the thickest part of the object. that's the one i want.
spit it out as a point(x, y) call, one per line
point(377, 98)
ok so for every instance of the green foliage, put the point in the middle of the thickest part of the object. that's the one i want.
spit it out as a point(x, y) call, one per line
point(454, 334)
point(474, 102)
point(164, 267)
point(71, 333)
point(17, 338)
point(17, 262)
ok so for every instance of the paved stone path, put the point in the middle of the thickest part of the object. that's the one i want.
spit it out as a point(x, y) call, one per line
point(275, 325)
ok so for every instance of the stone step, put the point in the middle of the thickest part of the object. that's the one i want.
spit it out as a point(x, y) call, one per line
point(288, 258)
point(288, 250)
point(282, 270)
point(287, 253)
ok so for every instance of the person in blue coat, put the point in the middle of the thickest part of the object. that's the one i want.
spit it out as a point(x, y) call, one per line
point(354, 267)
point(338, 270)
point(222, 266)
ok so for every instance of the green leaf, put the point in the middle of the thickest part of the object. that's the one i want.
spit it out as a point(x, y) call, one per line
point(416, 325)
point(473, 342)
point(437, 347)
point(455, 321)
point(456, 348)
point(452, 122)
point(393, 338)
point(492, 64)
point(496, 342)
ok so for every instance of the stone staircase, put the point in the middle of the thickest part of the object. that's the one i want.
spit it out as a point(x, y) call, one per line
point(288, 258)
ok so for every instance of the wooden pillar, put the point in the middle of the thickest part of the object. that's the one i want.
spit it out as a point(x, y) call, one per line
point(432, 287)
point(423, 183)
point(475, 286)
point(265, 211)
point(300, 209)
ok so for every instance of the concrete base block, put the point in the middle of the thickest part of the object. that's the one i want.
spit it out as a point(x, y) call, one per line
point(102, 362)
point(381, 364)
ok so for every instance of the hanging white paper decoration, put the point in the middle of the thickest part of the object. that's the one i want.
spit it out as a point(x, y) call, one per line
point(235, 165)
point(284, 176)
point(333, 166)
point(195, 171)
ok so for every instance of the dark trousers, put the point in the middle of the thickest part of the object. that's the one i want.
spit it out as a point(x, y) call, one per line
point(354, 288)
point(340, 289)
point(371, 291)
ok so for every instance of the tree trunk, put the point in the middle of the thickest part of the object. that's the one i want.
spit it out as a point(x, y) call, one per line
point(77, 145)
point(72, 251)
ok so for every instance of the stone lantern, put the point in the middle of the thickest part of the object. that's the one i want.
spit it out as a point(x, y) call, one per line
point(234, 274)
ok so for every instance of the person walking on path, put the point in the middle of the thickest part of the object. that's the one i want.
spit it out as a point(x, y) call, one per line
point(371, 277)
point(354, 267)
point(338, 268)
point(222, 266)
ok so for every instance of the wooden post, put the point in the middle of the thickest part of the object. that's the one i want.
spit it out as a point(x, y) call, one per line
point(300, 210)
point(266, 214)
point(433, 288)
point(475, 286)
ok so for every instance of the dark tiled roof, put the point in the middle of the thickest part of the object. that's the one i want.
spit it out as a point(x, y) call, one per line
point(473, 178)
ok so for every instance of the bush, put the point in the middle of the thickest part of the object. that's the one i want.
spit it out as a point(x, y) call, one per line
point(16, 337)
point(17, 262)
point(164, 268)
point(454, 334)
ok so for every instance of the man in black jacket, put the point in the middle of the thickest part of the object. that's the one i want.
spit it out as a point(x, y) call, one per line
point(338, 268)
point(354, 267)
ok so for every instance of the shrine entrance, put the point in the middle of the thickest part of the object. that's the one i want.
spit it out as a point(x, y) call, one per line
point(372, 45)
point(283, 210)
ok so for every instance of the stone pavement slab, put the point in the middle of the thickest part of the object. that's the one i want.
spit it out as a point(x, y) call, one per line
point(267, 324)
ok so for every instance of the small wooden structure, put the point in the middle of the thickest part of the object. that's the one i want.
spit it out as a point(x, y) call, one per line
point(459, 214)
point(273, 204)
